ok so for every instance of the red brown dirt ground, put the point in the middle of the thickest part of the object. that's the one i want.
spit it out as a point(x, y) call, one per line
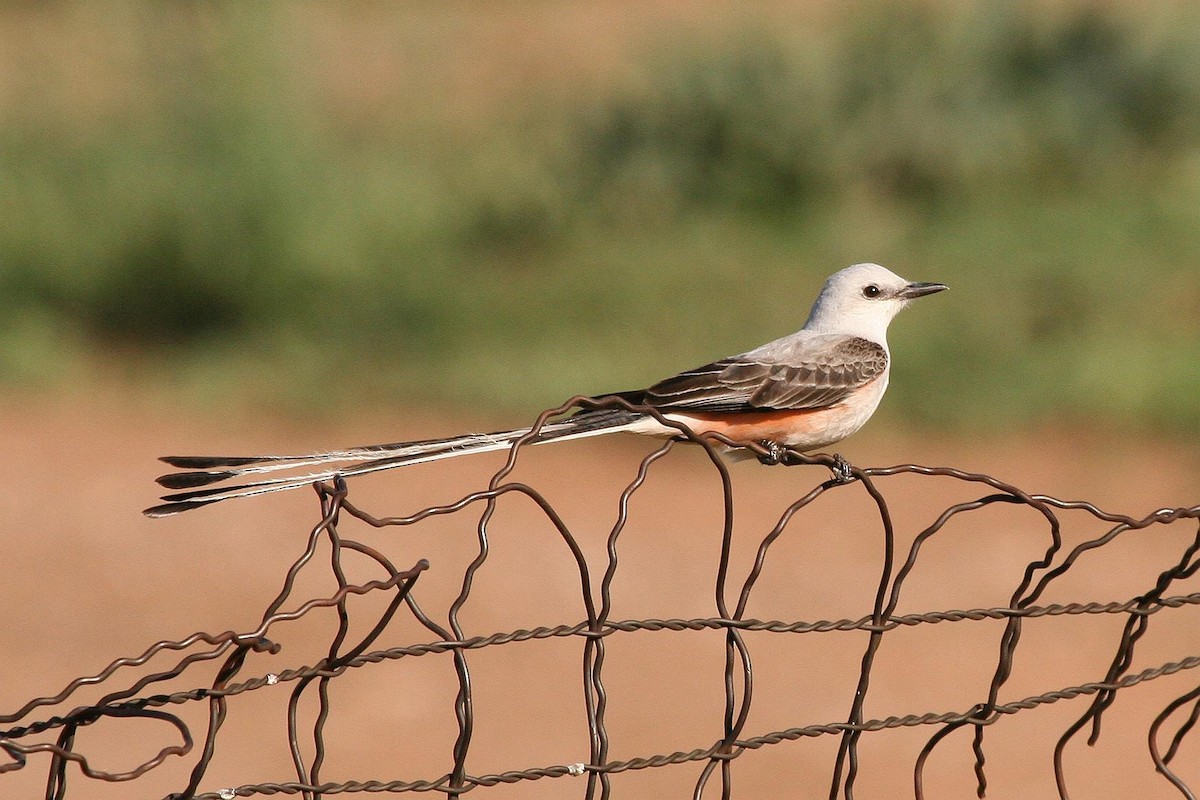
point(88, 579)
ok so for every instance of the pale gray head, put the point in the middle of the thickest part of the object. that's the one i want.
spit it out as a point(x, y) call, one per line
point(861, 300)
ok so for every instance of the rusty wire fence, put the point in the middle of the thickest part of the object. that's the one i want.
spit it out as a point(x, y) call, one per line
point(42, 735)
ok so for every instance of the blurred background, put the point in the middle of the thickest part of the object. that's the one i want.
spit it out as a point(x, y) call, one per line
point(299, 226)
point(500, 207)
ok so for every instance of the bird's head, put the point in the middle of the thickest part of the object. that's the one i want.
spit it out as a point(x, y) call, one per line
point(861, 300)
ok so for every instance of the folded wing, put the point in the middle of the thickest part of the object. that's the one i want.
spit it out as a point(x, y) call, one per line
point(815, 373)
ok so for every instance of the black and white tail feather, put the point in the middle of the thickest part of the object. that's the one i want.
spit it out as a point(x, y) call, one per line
point(201, 472)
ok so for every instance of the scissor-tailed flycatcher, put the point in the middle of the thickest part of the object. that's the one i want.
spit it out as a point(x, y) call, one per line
point(807, 390)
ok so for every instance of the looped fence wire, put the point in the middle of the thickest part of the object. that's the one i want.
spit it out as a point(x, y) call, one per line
point(718, 758)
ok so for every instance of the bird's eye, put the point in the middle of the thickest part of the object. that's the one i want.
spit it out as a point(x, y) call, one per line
point(871, 291)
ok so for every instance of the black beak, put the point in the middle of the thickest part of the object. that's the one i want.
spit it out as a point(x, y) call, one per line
point(921, 289)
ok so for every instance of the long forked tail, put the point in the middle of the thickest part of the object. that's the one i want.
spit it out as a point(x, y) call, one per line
point(201, 473)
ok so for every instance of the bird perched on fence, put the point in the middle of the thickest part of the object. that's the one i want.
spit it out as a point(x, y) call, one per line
point(807, 390)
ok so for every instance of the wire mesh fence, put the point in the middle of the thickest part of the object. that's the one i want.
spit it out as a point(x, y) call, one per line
point(44, 735)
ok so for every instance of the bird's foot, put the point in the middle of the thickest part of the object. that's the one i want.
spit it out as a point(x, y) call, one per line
point(841, 469)
point(775, 453)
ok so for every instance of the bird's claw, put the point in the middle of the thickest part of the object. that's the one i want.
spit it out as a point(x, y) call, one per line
point(841, 469)
point(774, 455)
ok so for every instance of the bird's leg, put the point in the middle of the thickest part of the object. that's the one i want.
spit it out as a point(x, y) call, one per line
point(842, 471)
point(774, 455)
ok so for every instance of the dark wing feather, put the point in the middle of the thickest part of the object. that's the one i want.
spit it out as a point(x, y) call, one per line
point(815, 374)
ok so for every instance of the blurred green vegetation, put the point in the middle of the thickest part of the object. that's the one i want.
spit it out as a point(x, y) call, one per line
point(305, 205)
